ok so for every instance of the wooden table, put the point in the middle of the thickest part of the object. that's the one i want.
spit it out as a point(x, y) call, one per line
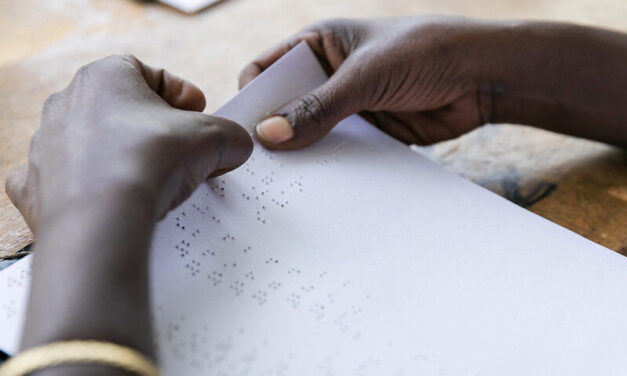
point(579, 184)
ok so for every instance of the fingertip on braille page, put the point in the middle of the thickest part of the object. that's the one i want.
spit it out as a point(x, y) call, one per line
point(275, 130)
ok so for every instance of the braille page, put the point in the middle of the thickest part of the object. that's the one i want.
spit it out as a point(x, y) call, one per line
point(356, 256)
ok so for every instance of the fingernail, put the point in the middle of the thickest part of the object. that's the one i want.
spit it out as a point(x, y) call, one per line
point(275, 130)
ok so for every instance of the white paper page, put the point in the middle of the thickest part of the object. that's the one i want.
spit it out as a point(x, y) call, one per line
point(189, 6)
point(356, 256)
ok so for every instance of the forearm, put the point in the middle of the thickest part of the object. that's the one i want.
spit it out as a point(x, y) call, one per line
point(90, 276)
point(116, 148)
point(564, 78)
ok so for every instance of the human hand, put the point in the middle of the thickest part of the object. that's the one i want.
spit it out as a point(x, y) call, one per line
point(123, 126)
point(411, 77)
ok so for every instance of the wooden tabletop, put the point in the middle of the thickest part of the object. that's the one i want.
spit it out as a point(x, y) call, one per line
point(578, 184)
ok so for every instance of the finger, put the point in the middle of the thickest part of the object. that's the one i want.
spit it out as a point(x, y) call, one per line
point(263, 61)
point(177, 92)
point(269, 57)
point(310, 117)
point(222, 145)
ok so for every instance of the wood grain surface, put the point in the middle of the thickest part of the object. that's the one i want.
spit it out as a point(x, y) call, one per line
point(578, 184)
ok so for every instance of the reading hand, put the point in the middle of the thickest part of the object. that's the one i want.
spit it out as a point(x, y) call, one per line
point(428, 79)
point(122, 125)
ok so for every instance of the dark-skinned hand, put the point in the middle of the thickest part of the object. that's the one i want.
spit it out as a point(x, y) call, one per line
point(123, 125)
point(404, 75)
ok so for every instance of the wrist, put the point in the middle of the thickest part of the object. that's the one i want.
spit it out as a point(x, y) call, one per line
point(104, 221)
point(515, 73)
point(95, 260)
point(500, 59)
point(94, 255)
point(553, 76)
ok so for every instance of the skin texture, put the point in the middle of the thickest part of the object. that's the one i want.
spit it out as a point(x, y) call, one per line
point(122, 144)
point(126, 142)
point(429, 79)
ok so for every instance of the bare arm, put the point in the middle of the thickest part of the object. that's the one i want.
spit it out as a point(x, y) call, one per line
point(428, 79)
point(116, 150)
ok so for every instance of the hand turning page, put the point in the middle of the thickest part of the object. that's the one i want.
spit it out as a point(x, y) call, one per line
point(357, 256)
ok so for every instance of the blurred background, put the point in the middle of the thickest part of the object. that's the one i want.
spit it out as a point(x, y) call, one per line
point(579, 184)
point(46, 41)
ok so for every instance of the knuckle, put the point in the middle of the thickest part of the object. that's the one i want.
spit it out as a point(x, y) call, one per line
point(332, 24)
point(117, 60)
point(107, 64)
point(85, 70)
point(53, 110)
point(14, 184)
point(126, 60)
point(10, 185)
point(52, 100)
point(52, 103)
point(33, 149)
point(329, 30)
point(338, 34)
point(83, 75)
point(310, 110)
point(36, 137)
point(127, 57)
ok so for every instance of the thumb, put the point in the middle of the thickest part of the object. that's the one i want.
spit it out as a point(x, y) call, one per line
point(309, 118)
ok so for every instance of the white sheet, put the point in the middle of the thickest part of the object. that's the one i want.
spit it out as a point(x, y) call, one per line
point(357, 256)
